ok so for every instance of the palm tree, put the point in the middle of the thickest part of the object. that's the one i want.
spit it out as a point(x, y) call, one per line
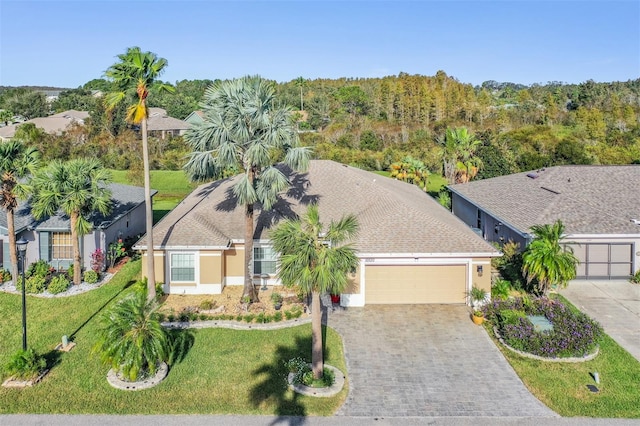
point(17, 161)
point(411, 170)
point(301, 82)
point(318, 262)
point(131, 338)
point(548, 261)
point(78, 188)
point(458, 154)
point(6, 116)
point(243, 128)
point(137, 71)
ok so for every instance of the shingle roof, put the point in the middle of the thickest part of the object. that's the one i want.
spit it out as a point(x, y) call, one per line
point(125, 198)
point(588, 199)
point(53, 124)
point(159, 120)
point(394, 217)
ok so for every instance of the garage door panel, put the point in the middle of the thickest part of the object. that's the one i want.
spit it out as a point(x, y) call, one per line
point(415, 284)
point(620, 269)
point(598, 253)
point(621, 252)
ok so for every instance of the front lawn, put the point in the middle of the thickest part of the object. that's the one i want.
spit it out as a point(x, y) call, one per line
point(222, 372)
point(563, 386)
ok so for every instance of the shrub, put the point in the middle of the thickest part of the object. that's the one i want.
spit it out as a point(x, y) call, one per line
point(250, 317)
point(207, 304)
point(25, 365)
point(35, 284)
point(130, 337)
point(97, 260)
point(574, 334)
point(5, 275)
point(40, 268)
point(500, 289)
point(635, 278)
point(260, 317)
point(70, 272)
point(276, 298)
point(277, 317)
point(302, 373)
point(58, 284)
point(90, 276)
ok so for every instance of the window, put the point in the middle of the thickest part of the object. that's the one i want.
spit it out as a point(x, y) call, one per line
point(264, 260)
point(61, 245)
point(183, 267)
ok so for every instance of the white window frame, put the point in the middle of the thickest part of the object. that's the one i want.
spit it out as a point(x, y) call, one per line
point(256, 260)
point(195, 266)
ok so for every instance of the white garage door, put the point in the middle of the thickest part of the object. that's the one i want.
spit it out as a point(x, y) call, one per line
point(415, 284)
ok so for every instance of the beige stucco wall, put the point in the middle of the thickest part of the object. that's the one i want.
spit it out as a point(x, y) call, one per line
point(211, 266)
point(484, 281)
point(234, 261)
point(354, 283)
point(158, 266)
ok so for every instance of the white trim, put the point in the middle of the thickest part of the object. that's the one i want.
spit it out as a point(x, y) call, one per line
point(210, 254)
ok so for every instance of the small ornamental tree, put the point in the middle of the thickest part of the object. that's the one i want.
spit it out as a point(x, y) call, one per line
point(318, 262)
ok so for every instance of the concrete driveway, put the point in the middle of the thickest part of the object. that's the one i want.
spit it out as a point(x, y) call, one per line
point(426, 360)
point(615, 304)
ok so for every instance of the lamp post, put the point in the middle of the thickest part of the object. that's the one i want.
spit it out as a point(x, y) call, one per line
point(264, 277)
point(22, 254)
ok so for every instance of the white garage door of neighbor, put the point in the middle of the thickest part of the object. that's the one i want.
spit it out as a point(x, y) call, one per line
point(415, 284)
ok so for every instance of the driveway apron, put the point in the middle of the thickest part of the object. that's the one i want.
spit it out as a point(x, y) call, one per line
point(426, 360)
point(614, 304)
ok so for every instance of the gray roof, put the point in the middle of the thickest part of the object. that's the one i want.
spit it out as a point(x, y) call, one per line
point(159, 120)
point(53, 124)
point(587, 199)
point(124, 197)
point(394, 217)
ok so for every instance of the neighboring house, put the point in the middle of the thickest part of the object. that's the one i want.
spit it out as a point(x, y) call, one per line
point(196, 117)
point(411, 249)
point(159, 124)
point(50, 239)
point(598, 205)
point(54, 124)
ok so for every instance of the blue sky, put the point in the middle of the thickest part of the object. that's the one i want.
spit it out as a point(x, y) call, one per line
point(67, 43)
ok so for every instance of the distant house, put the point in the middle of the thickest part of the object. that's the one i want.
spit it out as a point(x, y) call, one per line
point(50, 239)
point(54, 124)
point(411, 250)
point(598, 205)
point(160, 125)
point(196, 117)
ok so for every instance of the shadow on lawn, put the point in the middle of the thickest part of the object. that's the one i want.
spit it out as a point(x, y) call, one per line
point(274, 387)
point(92, 316)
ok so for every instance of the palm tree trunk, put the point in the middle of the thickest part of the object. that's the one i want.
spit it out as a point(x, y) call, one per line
point(13, 249)
point(317, 361)
point(249, 289)
point(77, 266)
point(151, 273)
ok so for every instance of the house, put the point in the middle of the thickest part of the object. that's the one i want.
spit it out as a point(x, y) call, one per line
point(159, 124)
point(598, 205)
point(54, 124)
point(196, 117)
point(411, 249)
point(50, 239)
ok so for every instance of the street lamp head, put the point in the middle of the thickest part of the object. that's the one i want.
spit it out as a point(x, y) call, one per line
point(22, 245)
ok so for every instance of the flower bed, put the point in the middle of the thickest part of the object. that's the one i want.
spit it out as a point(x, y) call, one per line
point(574, 334)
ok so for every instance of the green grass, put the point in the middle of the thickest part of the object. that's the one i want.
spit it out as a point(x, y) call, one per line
point(223, 371)
point(563, 386)
point(172, 187)
point(434, 184)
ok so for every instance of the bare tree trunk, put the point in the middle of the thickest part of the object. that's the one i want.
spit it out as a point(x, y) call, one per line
point(77, 265)
point(13, 249)
point(151, 273)
point(317, 361)
point(249, 289)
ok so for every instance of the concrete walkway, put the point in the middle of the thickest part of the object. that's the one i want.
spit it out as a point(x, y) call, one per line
point(614, 304)
point(426, 360)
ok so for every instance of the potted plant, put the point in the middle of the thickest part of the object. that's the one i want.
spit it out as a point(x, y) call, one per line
point(276, 298)
point(478, 296)
point(477, 317)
